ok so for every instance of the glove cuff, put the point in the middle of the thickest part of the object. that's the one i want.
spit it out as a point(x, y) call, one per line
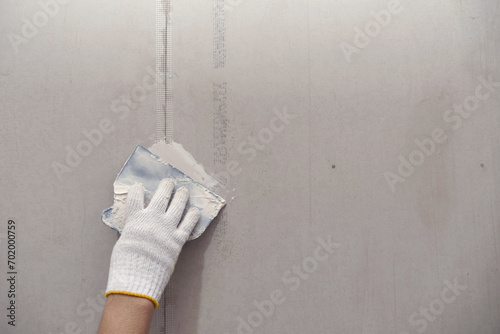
point(136, 275)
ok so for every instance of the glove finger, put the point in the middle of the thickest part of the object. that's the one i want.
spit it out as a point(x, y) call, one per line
point(178, 205)
point(162, 195)
point(135, 198)
point(189, 221)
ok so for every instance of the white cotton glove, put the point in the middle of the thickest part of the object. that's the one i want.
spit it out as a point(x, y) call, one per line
point(144, 257)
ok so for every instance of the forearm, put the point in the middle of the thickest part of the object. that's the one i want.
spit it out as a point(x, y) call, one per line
point(124, 314)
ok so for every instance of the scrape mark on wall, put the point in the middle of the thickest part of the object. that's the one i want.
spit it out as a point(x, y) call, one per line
point(219, 53)
point(220, 124)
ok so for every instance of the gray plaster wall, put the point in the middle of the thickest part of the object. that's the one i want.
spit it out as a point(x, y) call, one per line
point(354, 98)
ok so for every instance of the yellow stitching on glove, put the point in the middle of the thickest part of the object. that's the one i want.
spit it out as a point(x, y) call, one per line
point(133, 294)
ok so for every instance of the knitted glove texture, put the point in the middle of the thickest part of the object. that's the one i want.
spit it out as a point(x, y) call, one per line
point(144, 257)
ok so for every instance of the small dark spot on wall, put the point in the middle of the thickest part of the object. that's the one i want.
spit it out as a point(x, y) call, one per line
point(333, 166)
point(482, 165)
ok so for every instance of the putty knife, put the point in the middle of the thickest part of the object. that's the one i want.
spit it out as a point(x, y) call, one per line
point(149, 169)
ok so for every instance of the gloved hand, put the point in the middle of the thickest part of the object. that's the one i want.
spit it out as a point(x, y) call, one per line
point(144, 257)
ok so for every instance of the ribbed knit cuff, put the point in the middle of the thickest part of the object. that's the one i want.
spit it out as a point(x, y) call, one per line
point(136, 277)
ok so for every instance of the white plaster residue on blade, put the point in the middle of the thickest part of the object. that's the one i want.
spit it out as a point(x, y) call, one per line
point(162, 160)
point(181, 159)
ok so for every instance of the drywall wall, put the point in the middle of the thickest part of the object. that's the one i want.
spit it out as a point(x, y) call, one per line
point(359, 140)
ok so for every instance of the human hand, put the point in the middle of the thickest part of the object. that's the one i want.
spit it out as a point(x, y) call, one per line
point(144, 257)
